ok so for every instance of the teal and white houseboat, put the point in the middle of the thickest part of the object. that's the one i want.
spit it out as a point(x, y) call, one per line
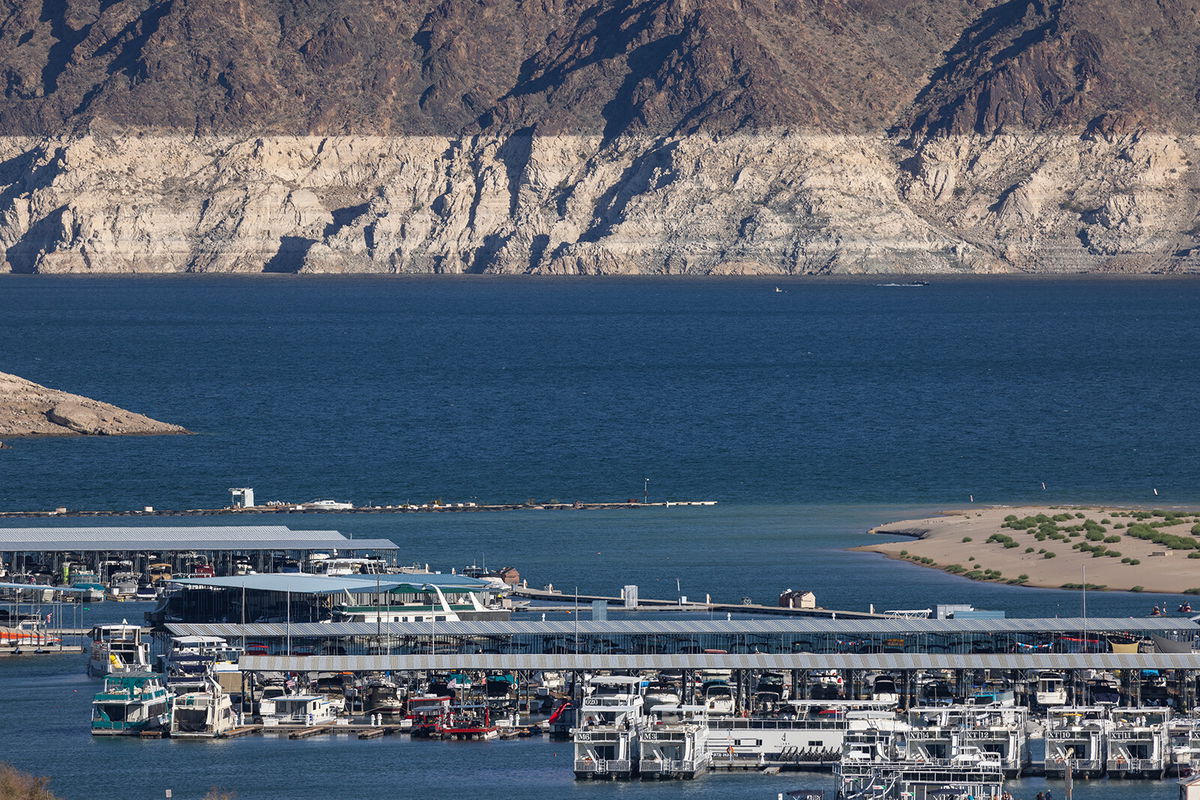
point(129, 705)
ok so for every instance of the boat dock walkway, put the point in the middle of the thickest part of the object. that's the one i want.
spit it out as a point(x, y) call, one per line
point(408, 508)
point(723, 608)
point(328, 728)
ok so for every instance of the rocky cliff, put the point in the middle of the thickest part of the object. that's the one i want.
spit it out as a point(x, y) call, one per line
point(28, 409)
point(597, 136)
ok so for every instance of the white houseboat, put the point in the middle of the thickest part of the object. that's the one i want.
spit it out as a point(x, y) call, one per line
point(611, 717)
point(204, 714)
point(117, 649)
point(674, 743)
point(306, 710)
point(1075, 737)
point(1138, 743)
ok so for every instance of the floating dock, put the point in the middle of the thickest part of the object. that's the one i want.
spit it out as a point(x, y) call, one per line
point(407, 508)
point(724, 608)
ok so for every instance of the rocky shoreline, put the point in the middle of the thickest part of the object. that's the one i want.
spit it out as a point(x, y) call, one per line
point(30, 409)
point(772, 203)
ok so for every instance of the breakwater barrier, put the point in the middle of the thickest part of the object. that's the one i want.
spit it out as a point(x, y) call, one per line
point(407, 508)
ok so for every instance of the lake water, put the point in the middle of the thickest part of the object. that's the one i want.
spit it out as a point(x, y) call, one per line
point(809, 414)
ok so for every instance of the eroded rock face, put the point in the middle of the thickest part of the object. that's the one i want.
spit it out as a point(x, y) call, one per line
point(600, 136)
point(28, 409)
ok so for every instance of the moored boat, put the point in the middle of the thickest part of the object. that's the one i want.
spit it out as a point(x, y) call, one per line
point(129, 705)
point(204, 714)
point(117, 649)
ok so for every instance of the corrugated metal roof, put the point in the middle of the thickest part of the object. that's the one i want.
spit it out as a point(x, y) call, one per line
point(303, 583)
point(39, 587)
point(882, 661)
point(751, 627)
point(160, 545)
point(158, 533)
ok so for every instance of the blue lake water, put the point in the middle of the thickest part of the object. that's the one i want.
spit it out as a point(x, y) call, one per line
point(809, 414)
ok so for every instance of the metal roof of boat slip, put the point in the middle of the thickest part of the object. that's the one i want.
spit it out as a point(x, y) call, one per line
point(871, 661)
point(139, 533)
point(211, 545)
point(699, 627)
point(198, 537)
point(302, 583)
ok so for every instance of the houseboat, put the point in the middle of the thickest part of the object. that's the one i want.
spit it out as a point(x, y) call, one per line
point(943, 732)
point(129, 705)
point(1075, 737)
point(1138, 743)
point(204, 714)
point(117, 649)
point(307, 710)
point(610, 718)
point(675, 743)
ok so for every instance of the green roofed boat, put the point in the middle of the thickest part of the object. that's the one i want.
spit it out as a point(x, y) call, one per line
point(128, 705)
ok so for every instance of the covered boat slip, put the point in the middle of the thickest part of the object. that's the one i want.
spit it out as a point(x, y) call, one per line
point(300, 598)
point(264, 547)
point(743, 643)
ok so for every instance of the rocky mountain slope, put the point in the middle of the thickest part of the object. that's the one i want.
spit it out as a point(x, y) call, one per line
point(598, 136)
point(29, 409)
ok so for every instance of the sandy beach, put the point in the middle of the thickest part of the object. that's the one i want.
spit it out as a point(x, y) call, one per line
point(1013, 545)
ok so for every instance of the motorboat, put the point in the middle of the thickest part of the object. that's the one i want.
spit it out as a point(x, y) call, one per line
point(1051, 690)
point(467, 722)
point(883, 689)
point(718, 698)
point(117, 648)
point(382, 696)
point(131, 704)
point(326, 505)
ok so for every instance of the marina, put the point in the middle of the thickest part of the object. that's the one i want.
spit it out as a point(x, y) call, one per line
point(346, 642)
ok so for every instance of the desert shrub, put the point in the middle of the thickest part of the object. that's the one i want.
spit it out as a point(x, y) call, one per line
point(1028, 549)
point(1049, 554)
point(20, 786)
point(1134, 562)
point(968, 539)
point(1138, 589)
point(1120, 525)
point(1111, 539)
